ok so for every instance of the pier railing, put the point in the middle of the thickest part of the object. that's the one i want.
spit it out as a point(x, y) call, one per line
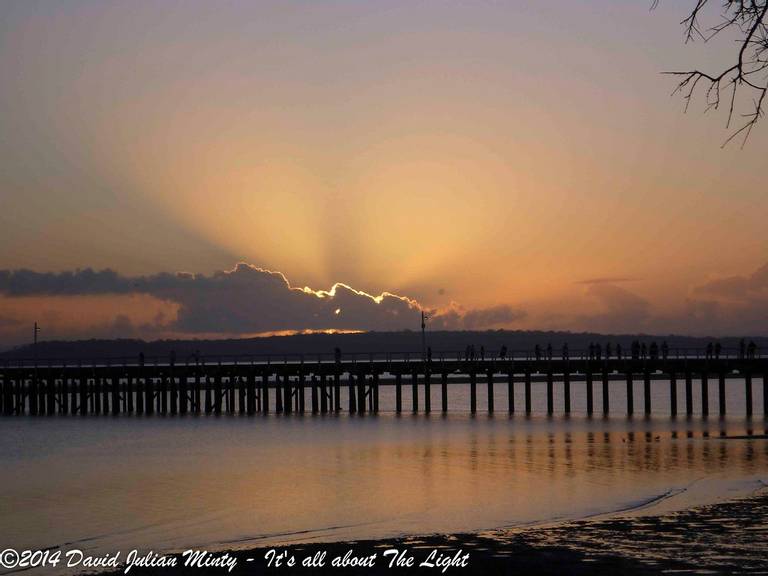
point(378, 357)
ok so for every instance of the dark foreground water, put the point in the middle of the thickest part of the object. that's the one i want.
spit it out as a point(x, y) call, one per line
point(103, 484)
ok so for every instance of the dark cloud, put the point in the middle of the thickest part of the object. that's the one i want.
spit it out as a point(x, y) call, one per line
point(622, 310)
point(248, 299)
point(734, 304)
point(737, 287)
point(457, 318)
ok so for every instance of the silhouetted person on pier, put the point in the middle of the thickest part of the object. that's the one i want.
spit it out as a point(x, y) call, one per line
point(710, 351)
point(742, 348)
point(482, 352)
point(664, 349)
point(503, 352)
point(635, 349)
point(537, 352)
point(643, 351)
point(618, 351)
point(591, 351)
point(565, 351)
point(608, 351)
point(598, 351)
point(141, 358)
point(718, 349)
point(472, 352)
point(549, 351)
point(751, 349)
point(654, 351)
point(337, 355)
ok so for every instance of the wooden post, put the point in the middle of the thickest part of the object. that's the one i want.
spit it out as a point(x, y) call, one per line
point(398, 393)
point(127, 388)
point(234, 380)
point(765, 388)
point(313, 383)
point(2, 390)
point(688, 392)
point(489, 376)
point(444, 392)
point(369, 393)
point(705, 391)
point(550, 390)
point(567, 387)
point(337, 392)
point(360, 392)
point(115, 391)
point(287, 394)
point(673, 392)
point(590, 391)
point(427, 391)
point(415, 391)
point(196, 384)
point(278, 394)
point(647, 389)
point(748, 385)
point(7, 392)
point(64, 407)
point(630, 390)
point(208, 383)
point(511, 391)
point(351, 388)
point(183, 389)
point(83, 386)
point(140, 388)
point(218, 391)
point(51, 389)
point(473, 391)
point(302, 398)
point(163, 400)
point(323, 394)
point(242, 394)
point(376, 391)
point(174, 389)
point(96, 395)
point(33, 393)
point(105, 390)
point(606, 397)
point(721, 391)
point(265, 392)
point(527, 390)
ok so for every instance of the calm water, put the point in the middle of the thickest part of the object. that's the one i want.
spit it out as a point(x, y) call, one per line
point(169, 482)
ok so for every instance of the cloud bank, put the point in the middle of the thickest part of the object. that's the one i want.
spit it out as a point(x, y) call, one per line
point(252, 300)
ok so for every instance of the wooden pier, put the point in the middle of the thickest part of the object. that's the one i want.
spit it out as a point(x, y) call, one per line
point(202, 386)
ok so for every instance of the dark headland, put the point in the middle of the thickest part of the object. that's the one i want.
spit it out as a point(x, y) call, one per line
point(353, 343)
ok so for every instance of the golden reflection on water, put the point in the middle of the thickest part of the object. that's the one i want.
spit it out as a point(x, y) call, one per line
point(171, 482)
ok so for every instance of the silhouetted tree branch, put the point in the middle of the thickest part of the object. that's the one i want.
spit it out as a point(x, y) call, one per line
point(747, 77)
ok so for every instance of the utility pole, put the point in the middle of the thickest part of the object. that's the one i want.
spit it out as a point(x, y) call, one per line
point(423, 337)
point(34, 345)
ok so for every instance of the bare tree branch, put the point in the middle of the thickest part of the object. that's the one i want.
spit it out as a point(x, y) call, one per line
point(748, 76)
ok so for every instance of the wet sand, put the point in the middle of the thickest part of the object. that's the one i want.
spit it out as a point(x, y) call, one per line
point(724, 538)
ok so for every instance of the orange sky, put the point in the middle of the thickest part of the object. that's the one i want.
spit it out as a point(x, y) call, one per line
point(477, 153)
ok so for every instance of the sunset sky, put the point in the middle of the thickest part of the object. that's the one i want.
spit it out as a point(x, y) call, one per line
point(505, 164)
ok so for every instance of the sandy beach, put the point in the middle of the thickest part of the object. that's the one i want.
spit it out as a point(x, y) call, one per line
point(725, 538)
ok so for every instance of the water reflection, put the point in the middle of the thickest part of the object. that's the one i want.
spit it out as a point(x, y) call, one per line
point(171, 482)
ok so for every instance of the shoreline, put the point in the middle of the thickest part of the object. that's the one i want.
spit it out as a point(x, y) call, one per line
point(726, 537)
